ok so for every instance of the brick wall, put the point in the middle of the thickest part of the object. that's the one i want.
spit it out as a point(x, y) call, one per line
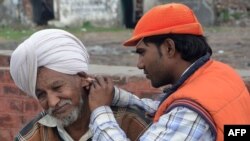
point(16, 108)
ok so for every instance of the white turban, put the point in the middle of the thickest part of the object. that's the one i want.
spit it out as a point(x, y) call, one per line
point(52, 48)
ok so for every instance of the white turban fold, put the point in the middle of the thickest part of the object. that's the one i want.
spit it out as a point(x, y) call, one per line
point(51, 48)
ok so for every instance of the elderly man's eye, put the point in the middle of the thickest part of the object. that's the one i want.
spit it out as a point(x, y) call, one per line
point(56, 88)
point(41, 95)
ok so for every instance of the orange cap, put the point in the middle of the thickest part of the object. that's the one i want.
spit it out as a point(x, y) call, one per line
point(164, 19)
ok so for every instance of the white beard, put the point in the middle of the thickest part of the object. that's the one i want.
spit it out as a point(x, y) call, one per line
point(71, 117)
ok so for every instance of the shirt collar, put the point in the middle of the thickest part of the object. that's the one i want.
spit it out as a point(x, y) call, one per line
point(50, 121)
point(187, 69)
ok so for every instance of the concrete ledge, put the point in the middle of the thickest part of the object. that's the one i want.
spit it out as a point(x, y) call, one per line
point(107, 70)
point(243, 73)
point(6, 52)
point(115, 70)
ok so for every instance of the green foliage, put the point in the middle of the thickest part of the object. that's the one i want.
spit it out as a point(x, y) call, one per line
point(216, 29)
point(21, 33)
point(224, 15)
point(237, 15)
point(89, 27)
point(10, 33)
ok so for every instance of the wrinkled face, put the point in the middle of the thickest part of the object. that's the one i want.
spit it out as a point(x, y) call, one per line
point(61, 95)
point(155, 66)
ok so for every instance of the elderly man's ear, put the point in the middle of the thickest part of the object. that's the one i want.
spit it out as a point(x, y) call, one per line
point(86, 80)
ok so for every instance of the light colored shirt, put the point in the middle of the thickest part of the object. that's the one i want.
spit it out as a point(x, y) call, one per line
point(50, 121)
point(180, 123)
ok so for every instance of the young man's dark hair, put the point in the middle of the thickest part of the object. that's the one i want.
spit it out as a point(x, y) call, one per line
point(191, 47)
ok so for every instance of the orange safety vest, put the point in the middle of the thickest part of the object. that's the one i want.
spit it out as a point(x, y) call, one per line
point(217, 93)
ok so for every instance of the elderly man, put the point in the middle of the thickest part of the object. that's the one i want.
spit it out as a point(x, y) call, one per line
point(51, 66)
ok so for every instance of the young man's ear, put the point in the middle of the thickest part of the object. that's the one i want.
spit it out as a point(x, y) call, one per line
point(169, 47)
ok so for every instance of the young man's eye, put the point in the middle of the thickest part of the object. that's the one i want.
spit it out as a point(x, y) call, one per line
point(140, 52)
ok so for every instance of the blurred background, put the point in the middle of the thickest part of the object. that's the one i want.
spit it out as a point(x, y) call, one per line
point(103, 25)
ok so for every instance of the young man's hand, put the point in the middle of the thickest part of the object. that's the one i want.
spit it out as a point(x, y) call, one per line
point(101, 92)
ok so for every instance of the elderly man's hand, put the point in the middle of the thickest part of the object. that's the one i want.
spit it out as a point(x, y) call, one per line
point(101, 92)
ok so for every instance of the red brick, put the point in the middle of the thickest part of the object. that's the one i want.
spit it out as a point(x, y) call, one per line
point(11, 105)
point(31, 106)
point(27, 119)
point(5, 135)
point(10, 89)
point(8, 134)
point(21, 93)
point(130, 88)
point(14, 132)
point(5, 76)
point(143, 85)
point(139, 85)
point(153, 93)
point(119, 80)
point(8, 78)
point(1, 89)
point(136, 79)
point(4, 61)
point(10, 121)
point(2, 77)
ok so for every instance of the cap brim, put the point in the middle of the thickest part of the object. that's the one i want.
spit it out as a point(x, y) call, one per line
point(132, 41)
point(193, 28)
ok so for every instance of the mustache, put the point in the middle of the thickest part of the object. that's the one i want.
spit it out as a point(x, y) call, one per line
point(61, 103)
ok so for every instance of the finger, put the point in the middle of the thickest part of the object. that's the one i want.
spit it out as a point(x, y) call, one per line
point(92, 87)
point(101, 81)
point(111, 85)
point(90, 79)
point(94, 84)
point(109, 80)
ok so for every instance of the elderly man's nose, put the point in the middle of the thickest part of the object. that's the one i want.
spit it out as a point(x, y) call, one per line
point(53, 100)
